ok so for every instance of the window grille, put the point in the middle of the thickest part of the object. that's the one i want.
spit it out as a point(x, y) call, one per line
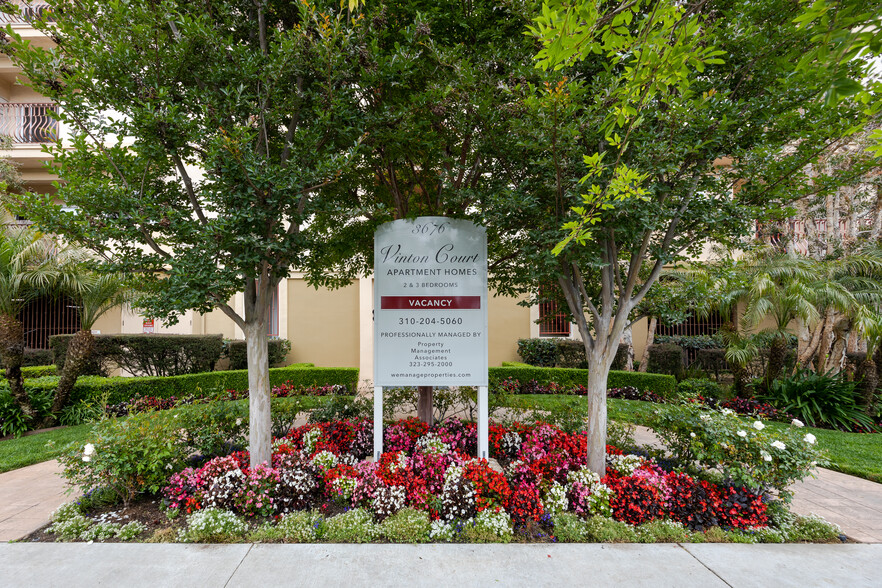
point(45, 317)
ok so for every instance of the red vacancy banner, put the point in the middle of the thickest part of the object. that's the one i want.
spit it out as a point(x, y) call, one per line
point(430, 302)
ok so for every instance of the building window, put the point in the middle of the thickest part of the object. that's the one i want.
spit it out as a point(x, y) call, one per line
point(272, 314)
point(553, 322)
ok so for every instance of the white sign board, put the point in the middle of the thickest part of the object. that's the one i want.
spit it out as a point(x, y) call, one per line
point(430, 303)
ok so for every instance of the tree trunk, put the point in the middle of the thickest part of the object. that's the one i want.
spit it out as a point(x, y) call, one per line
point(425, 405)
point(866, 388)
point(650, 338)
point(808, 352)
point(12, 350)
point(836, 356)
point(259, 393)
point(740, 375)
point(598, 373)
point(628, 339)
point(877, 359)
point(777, 355)
point(78, 353)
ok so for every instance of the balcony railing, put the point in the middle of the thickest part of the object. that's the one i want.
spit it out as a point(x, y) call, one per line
point(29, 11)
point(28, 123)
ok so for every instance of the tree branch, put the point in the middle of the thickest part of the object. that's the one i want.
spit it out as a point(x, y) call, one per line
point(188, 184)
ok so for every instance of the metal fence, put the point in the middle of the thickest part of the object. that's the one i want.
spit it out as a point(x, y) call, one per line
point(45, 317)
point(29, 11)
point(29, 123)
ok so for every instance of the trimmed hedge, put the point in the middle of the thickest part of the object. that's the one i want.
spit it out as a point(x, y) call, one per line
point(666, 358)
point(92, 388)
point(33, 357)
point(277, 350)
point(663, 385)
point(39, 371)
point(147, 355)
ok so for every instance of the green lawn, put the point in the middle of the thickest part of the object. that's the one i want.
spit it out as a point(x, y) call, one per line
point(858, 454)
point(31, 449)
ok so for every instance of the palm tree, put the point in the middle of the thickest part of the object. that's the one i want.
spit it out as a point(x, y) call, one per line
point(27, 259)
point(96, 293)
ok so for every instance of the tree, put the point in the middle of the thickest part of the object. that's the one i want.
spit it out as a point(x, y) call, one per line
point(202, 136)
point(436, 112)
point(27, 270)
point(680, 113)
point(96, 293)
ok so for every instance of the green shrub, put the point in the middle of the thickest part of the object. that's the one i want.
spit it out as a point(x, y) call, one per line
point(620, 361)
point(820, 400)
point(665, 358)
point(569, 528)
point(168, 355)
point(213, 525)
point(93, 388)
point(99, 363)
point(277, 350)
point(33, 357)
point(571, 354)
point(68, 521)
point(407, 526)
point(300, 526)
point(127, 456)
point(605, 530)
point(663, 531)
point(712, 360)
point(694, 387)
point(148, 355)
point(38, 371)
point(813, 529)
point(538, 352)
point(692, 341)
point(354, 526)
point(488, 527)
point(12, 421)
point(748, 454)
point(663, 385)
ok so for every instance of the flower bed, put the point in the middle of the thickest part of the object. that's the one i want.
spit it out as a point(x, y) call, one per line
point(322, 486)
point(431, 470)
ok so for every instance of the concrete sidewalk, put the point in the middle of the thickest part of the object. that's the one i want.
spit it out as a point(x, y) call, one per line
point(74, 565)
point(27, 497)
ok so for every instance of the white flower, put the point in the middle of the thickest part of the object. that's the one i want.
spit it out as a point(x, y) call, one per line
point(89, 449)
point(797, 423)
point(692, 435)
point(758, 426)
point(778, 445)
point(766, 456)
point(742, 433)
point(87, 458)
point(704, 417)
point(727, 411)
point(238, 422)
point(810, 439)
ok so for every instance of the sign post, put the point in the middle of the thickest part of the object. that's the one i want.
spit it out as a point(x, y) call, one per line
point(430, 311)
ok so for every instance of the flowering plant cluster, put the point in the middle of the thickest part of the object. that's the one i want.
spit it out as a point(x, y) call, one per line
point(751, 455)
point(632, 393)
point(432, 470)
